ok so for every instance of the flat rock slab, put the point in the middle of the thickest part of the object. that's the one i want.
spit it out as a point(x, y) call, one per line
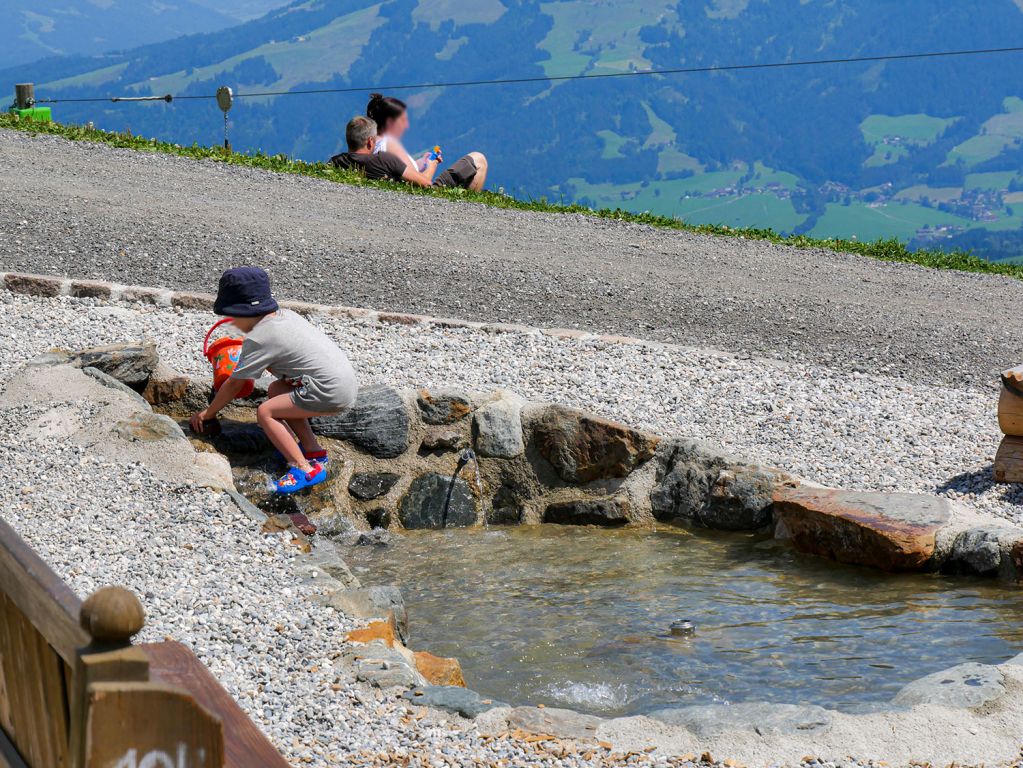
point(452, 698)
point(563, 723)
point(965, 686)
point(762, 718)
point(890, 531)
point(378, 423)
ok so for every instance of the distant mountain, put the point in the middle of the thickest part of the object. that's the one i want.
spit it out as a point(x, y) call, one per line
point(34, 29)
point(242, 10)
point(925, 150)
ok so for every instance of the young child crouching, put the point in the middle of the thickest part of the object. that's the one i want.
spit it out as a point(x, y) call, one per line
point(314, 377)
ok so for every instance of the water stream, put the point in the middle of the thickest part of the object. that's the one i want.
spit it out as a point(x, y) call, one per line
point(583, 617)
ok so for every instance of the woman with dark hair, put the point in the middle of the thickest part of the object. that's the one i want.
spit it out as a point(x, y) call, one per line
point(391, 117)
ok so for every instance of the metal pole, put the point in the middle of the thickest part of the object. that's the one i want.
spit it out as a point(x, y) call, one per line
point(24, 95)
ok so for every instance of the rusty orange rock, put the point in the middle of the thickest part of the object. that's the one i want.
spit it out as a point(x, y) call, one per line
point(377, 630)
point(890, 531)
point(438, 670)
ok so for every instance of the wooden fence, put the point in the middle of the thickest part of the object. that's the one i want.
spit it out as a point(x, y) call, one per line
point(75, 692)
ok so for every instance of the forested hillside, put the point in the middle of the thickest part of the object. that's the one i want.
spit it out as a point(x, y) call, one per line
point(925, 150)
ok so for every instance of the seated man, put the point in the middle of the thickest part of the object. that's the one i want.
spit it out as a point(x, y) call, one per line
point(361, 135)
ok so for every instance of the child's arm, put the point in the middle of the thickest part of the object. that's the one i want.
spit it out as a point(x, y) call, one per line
point(227, 392)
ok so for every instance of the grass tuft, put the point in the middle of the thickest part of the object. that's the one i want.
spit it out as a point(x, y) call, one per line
point(884, 250)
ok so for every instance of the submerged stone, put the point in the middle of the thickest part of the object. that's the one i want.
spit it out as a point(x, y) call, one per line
point(422, 506)
point(378, 422)
point(582, 447)
point(890, 531)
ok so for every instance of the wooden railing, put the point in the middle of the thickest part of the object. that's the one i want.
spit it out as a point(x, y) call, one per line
point(75, 693)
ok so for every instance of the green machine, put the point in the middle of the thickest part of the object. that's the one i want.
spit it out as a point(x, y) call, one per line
point(25, 104)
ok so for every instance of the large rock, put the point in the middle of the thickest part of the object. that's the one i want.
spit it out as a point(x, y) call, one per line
point(378, 422)
point(371, 485)
point(986, 551)
point(148, 427)
point(422, 506)
point(607, 512)
point(165, 385)
point(498, 429)
point(890, 531)
point(439, 670)
point(444, 406)
point(383, 602)
point(562, 723)
point(451, 698)
point(582, 447)
point(703, 487)
point(761, 718)
point(966, 686)
point(130, 364)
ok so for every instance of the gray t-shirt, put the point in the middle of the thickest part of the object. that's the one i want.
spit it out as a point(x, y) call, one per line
point(293, 349)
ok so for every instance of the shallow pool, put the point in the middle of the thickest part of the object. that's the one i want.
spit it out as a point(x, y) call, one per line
point(582, 617)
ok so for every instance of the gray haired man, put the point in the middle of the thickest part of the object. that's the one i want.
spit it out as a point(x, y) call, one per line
point(361, 135)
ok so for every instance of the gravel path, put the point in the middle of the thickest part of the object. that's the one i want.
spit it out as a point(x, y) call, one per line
point(91, 211)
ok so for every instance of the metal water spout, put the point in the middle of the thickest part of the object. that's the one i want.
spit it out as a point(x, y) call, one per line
point(466, 456)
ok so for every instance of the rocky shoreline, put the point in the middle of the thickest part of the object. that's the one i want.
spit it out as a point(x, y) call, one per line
point(580, 464)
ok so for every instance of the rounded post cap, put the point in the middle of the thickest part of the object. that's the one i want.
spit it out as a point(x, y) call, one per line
point(112, 614)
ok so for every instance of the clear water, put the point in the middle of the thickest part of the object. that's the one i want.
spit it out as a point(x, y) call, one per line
point(581, 617)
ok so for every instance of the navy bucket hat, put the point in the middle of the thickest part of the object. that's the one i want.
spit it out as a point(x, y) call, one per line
point(244, 292)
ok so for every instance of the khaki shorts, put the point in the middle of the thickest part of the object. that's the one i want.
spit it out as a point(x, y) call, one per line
point(460, 174)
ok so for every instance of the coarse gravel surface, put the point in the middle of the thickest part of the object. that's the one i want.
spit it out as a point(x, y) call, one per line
point(832, 427)
point(87, 210)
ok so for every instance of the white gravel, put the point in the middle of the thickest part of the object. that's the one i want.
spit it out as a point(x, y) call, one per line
point(838, 428)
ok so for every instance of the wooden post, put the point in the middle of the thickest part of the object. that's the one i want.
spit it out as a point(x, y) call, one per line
point(24, 95)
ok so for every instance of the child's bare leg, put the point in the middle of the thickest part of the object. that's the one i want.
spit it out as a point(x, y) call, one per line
point(304, 432)
point(272, 415)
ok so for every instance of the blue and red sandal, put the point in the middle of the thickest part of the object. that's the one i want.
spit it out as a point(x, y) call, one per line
point(295, 480)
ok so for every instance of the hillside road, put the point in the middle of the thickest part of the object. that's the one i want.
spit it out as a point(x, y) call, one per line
point(84, 210)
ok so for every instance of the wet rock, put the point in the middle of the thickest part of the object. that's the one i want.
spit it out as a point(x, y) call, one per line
point(423, 503)
point(606, 512)
point(438, 670)
point(378, 422)
point(453, 699)
point(379, 518)
point(130, 364)
point(146, 427)
point(198, 394)
point(761, 718)
point(704, 487)
point(985, 551)
point(371, 485)
point(165, 385)
point(506, 508)
point(444, 406)
point(242, 439)
point(963, 687)
point(447, 440)
point(563, 723)
point(583, 448)
point(377, 537)
point(890, 531)
point(497, 428)
point(384, 603)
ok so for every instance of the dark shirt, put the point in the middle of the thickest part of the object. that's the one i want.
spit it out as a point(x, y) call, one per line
point(383, 165)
